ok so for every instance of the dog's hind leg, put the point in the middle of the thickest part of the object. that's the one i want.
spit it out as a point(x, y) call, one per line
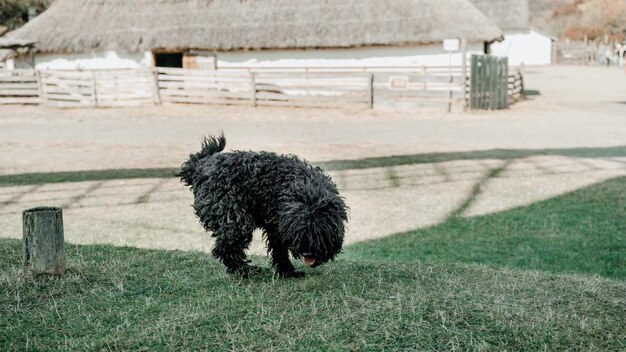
point(232, 239)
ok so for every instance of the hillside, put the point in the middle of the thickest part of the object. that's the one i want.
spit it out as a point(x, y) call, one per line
point(576, 19)
point(132, 299)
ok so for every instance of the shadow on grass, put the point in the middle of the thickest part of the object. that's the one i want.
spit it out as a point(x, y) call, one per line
point(498, 154)
point(81, 176)
point(334, 165)
point(579, 232)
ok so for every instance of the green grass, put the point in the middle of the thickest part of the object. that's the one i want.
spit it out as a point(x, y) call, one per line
point(580, 232)
point(132, 299)
point(466, 284)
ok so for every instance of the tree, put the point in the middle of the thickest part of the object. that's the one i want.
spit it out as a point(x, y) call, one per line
point(577, 19)
point(610, 15)
point(14, 13)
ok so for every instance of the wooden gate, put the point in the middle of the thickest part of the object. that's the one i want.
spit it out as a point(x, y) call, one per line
point(489, 83)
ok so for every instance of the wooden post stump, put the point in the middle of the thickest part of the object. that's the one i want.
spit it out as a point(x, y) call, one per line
point(43, 241)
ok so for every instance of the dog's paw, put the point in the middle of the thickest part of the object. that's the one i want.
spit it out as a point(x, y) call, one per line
point(287, 274)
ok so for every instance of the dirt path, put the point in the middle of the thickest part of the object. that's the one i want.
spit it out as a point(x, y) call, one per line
point(583, 110)
point(579, 116)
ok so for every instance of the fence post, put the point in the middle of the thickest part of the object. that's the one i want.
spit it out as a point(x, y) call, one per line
point(252, 88)
point(94, 90)
point(43, 241)
point(450, 92)
point(157, 92)
point(42, 98)
point(370, 90)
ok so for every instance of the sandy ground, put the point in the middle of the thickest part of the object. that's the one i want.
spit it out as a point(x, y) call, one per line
point(581, 108)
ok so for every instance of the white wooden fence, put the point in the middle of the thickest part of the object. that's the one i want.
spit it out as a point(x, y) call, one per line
point(385, 87)
point(264, 88)
point(19, 87)
point(416, 88)
point(311, 88)
point(97, 88)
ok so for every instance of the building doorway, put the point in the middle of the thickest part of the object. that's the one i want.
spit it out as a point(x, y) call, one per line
point(168, 60)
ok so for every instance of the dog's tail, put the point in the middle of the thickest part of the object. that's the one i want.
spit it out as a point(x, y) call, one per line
point(211, 145)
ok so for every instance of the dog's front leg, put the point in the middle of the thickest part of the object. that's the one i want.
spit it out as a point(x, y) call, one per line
point(280, 259)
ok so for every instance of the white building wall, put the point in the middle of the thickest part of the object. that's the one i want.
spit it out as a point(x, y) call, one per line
point(92, 61)
point(429, 55)
point(532, 48)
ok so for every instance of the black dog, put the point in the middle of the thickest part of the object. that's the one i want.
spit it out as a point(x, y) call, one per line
point(295, 204)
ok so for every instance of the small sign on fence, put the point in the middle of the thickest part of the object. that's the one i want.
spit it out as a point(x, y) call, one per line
point(398, 82)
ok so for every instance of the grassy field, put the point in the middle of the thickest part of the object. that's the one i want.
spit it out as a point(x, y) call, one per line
point(130, 299)
point(547, 276)
point(580, 232)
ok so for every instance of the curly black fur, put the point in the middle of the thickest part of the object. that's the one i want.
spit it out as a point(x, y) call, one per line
point(296, 205)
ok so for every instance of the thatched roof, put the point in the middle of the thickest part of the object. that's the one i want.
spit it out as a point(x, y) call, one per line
point(509, 15)
point(138, 25)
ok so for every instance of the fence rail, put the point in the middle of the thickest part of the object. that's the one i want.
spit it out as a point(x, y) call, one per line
point(417, 88)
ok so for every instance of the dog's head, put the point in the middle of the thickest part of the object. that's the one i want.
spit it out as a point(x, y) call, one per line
point(312, 222)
